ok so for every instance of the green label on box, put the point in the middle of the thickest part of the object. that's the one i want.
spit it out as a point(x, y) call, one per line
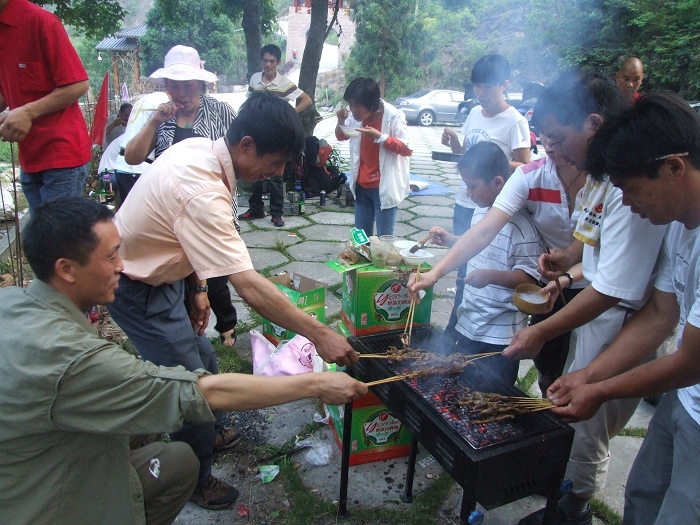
point(381, 428)
point(358, 236)
point(392, 300)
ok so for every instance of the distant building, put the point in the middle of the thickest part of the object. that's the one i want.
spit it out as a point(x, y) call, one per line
point(123, 50)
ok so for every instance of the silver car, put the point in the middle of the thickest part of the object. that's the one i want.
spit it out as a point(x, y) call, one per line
point(430, 106)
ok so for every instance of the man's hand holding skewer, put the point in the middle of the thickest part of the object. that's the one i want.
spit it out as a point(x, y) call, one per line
point(576, 398)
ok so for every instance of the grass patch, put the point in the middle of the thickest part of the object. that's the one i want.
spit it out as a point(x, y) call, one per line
point(229, 359)
point(309, 508)
point(605, 513)
point(636, 432)
point(525, 383)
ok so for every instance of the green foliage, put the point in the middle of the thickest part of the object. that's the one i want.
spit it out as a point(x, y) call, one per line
point(194, 23)
point(96, 69)
point(89, 17)
point(597, 34)
point(387, 52)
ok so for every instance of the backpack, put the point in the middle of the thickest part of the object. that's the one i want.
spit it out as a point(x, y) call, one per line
point(315, 171)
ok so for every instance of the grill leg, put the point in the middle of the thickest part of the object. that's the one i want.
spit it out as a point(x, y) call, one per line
point(407, 496)
point(550, 509)
point(345, 462)
point(466, 509)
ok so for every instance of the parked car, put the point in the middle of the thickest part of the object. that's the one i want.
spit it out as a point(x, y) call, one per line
point(430, 106)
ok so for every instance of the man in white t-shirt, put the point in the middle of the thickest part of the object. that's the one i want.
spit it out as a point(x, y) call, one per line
point(126, 174)
point(661, 184)
point(619, 256)
point(493, 120)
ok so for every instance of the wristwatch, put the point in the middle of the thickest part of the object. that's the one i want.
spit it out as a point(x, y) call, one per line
point(571, 279)
point(200, 288)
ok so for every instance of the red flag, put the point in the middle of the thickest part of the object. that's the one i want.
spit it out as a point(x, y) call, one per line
point(99, 119)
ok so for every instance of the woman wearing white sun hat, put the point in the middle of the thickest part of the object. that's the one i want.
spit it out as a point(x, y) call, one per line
point(189, 114)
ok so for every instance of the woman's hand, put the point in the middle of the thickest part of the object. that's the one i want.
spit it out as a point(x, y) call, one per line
point(166, 112)
point(374, 134)
point(342, 115)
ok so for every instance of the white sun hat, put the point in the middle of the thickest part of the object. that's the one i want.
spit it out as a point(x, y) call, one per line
point(182, 63)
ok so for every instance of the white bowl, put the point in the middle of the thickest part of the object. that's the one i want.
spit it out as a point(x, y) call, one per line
point(403, 244)
point(416, 259)
point(350, 132)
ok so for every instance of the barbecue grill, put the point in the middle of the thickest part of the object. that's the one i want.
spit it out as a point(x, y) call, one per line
point(495, 463)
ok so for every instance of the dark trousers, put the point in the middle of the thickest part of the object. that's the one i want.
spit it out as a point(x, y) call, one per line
point(125, 181)
point(552, 358)
point(276, 197)
point(498, 367)
point(461, 222)
point(168, 473)
point(157, 323)
point(220, 301)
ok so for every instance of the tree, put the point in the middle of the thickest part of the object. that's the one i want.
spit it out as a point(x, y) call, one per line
point(389, 39)
point(195, 23)
point(89, 17)
point(308, 74)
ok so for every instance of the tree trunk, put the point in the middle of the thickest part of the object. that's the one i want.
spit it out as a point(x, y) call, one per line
point(311, 60)
point(252, 21)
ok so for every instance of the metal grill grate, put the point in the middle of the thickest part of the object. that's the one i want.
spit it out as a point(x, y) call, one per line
point(441, 393)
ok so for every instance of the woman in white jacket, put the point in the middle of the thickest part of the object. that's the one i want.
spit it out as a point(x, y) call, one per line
point(378, 155)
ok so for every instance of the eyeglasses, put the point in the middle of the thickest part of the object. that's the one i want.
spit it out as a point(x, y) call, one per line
point(664, 157)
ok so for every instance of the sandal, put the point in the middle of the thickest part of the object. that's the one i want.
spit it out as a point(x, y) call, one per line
point(228, 338)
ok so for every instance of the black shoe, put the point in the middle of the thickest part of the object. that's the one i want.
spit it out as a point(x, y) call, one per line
point(251, 215)
point(215, 494)
point(561, 519)
point(277, 220)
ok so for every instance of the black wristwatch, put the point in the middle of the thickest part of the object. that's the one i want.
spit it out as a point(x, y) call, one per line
point(571, 279)
point(200, 288)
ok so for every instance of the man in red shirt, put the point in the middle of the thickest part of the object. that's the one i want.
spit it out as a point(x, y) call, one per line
point(629, 78)
point(41, 80)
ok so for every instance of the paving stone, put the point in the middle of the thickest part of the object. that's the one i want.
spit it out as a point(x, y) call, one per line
point(433, 211)
point(334, 217)
point(325, 232)
point(268, 239)
point(315, 251)
point(264, 258)
point(434, 200)
point(315, 270)
point(425, 223)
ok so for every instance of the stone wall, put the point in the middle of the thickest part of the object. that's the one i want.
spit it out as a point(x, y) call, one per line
point(298, 24)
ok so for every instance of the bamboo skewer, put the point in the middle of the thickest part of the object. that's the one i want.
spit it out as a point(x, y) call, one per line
point(556, 280)
point(389, 380)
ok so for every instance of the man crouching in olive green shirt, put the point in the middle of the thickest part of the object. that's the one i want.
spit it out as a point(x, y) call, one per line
point(69, 401)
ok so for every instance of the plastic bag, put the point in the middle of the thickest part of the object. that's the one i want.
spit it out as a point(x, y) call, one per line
point(268, 472)
point(291, 358)
point(8, 205)
point(319, 454)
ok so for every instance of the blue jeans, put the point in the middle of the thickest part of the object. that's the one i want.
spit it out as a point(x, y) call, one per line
point(45, 185)
point(368, 209)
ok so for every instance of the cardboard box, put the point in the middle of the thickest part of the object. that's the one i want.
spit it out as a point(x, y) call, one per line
point(308, 294)
point(376, 434)
point(376, 300)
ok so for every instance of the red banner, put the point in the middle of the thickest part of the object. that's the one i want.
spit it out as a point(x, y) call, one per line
point(99, 121)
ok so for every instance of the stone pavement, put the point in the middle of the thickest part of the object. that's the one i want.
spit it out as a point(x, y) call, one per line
point(303, 245)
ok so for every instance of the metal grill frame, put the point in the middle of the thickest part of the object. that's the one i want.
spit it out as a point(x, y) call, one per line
point(492, 476)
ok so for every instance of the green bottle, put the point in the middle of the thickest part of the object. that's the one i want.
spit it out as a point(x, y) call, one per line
point(302, 205)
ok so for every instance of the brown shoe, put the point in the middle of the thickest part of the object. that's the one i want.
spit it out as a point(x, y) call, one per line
point(214, 494)
point(226, 438)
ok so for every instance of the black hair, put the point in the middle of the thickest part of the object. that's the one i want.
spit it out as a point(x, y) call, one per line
point(484, 160)
point(572, 97)
point(271, 49)
point(271, 122)
point(634, 142)
point(493, 69)
point(365, 91)
point(124, 106)
point(62, 229)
